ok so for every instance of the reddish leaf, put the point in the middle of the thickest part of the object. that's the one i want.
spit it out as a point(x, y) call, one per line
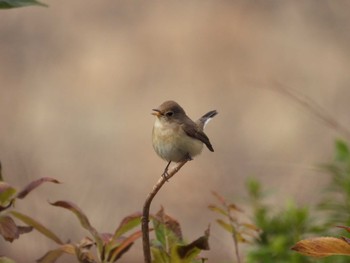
point(220, 198)
point(345, 227)
point(124, 246)
point(171, 223)
point(8, 228)
point(322, 247)
point(84, 221)
point(39, 227)
point(127, 224)
point(26, 190)
point(52, 255)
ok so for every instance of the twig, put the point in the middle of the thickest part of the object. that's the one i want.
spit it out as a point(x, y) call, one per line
point(314, 108)
point(146, 207)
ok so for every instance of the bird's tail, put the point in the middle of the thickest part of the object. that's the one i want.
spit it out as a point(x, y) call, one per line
point(202, 122)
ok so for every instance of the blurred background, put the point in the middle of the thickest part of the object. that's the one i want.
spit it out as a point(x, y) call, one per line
point(78, 81)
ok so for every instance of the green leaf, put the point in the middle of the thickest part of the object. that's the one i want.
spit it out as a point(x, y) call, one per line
point(6, 260)
point(342, 150)
point(217, 209)
point(52, 255)
point(225, 225)
point(127, 224)
point(31, 186)
point(6, 4)
point(6, 193)
point(36, 225)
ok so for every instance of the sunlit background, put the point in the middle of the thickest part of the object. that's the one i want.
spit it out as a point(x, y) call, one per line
point(78, 81)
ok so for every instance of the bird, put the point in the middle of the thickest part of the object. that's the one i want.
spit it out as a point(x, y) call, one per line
point(175, 137)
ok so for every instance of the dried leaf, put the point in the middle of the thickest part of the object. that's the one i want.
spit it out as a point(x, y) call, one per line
point(124, 246)
point(8, 228)
point(127, 224)
point(84, 221)
point(26, 190)
point(322, 247)
point(38, 226)
point(345, 227)
point(235, 208)
point(171, 223)
point(200, 243)
point(52, 255)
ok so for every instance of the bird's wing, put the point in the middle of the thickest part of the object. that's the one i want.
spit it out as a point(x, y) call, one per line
point(192, 131)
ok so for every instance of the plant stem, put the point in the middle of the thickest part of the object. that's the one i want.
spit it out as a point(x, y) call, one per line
point(147, 205)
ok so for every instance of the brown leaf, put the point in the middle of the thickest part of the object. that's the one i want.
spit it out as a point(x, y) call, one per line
point(322, 247)
point(200, 243)
point(26, 190)
point(84, 221)
point(171, 223)
point(345, 227)
point(52, 255)
point(8, 228)
point(124, 246)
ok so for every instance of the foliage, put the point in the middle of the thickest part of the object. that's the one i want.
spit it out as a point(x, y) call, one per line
point(279, 229)
point(336, 205)
point(6, 4)
point(169, 246)
point(237, 229)
point(110, 247)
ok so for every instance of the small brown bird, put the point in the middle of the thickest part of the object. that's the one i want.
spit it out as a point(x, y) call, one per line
point(175, 136)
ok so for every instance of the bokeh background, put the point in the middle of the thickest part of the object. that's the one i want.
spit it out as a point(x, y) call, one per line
point(78, 81)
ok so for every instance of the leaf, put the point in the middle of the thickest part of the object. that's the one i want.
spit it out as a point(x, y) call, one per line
point(235, 208)
point(52, 255)
point(171, 223)
point(1, 178)
point(6, 260)
point(217, 209)
point(342, 150)
point(191, 250)
point(228, 227)
point(84, 221)
point(26, 190)
point(322, 247)
point(38, 226)
point(6, 192)
point(5, 4)
point(8, 228)
point(127, 224)
point(345, 227)
point(124, 246)
point(220, 198)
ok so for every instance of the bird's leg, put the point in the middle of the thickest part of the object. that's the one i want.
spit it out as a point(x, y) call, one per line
point(165, 173)
point(188, 157)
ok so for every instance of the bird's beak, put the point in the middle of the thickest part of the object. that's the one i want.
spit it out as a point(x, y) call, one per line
point(156, 112)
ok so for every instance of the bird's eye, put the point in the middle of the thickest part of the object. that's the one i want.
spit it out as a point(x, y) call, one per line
point(169, 113)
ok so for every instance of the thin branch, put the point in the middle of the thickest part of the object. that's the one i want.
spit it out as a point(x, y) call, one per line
point(146, 208)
